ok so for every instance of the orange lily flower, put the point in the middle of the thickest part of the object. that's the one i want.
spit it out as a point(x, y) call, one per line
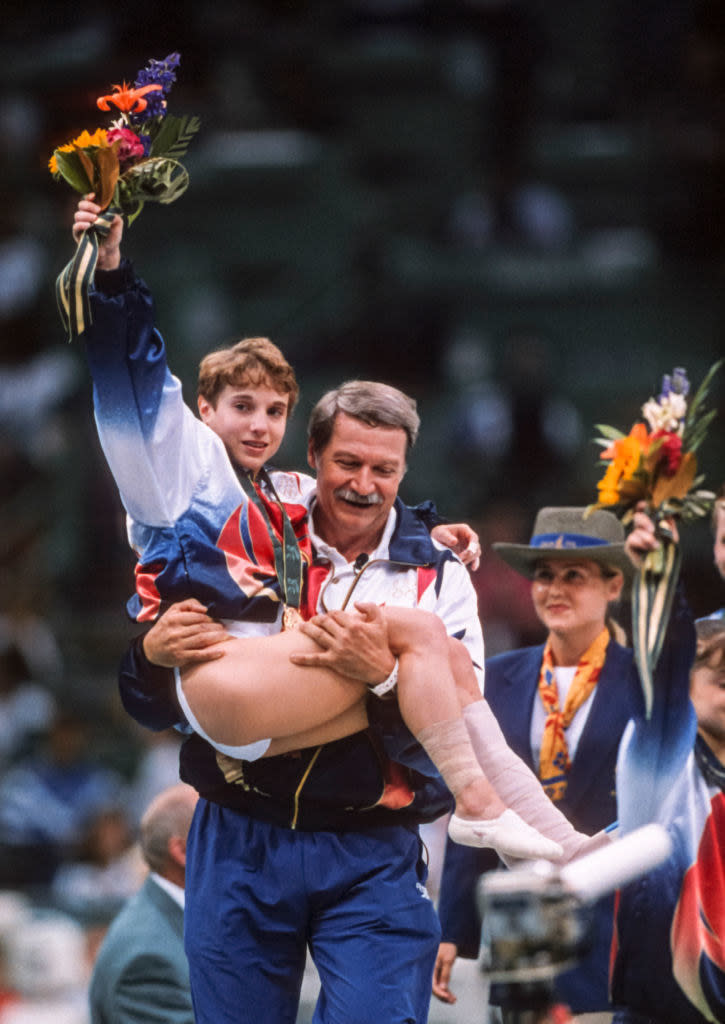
point(626, 451)
point(626, 455)
point(127, 100)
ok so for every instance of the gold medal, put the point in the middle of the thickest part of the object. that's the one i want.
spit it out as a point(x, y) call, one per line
point(291, 618)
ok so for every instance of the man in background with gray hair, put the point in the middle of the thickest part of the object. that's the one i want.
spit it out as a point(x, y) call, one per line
point(141, 971)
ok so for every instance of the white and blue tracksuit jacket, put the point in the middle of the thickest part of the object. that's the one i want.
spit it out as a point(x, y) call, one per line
point(193, 528)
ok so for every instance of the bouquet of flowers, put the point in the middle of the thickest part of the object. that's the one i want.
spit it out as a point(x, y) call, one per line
point(135, 160)
point(656, 463)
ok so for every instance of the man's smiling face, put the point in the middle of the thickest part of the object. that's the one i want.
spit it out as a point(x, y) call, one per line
point(358, 476)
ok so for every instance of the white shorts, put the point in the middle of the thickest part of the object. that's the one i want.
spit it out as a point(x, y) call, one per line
point(244, 752)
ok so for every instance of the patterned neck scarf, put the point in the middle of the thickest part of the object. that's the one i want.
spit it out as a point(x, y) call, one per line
point(555, 764)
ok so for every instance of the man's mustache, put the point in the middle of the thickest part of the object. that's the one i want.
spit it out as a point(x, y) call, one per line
point(345, 494)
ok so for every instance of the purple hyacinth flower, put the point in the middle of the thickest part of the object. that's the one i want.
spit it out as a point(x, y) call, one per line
point(157, 72)
point(680, 383)
point(675, 384)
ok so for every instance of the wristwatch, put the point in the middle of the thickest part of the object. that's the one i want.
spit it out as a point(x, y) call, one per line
point(381, 689)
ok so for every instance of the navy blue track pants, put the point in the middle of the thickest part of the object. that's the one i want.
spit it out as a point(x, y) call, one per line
point(257, 895)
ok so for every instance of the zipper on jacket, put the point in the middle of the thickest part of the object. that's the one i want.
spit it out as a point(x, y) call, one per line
point(358, 574)
point(303, 780)
point(346, 601)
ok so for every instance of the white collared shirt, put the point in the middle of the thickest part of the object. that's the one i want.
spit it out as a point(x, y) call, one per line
point(383, 582)
point(175, 891)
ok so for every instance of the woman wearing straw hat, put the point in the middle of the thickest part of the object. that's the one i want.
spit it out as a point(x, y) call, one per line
point(562, 706)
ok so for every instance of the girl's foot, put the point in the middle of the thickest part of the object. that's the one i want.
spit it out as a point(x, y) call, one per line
point(508, 835)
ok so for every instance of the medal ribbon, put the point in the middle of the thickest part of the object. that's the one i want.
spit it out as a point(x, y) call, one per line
point(288, 561)
point(73, 285)
point(554, 760)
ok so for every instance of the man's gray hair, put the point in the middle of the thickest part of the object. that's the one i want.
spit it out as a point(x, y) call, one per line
point(168, 815)
point(376, 404)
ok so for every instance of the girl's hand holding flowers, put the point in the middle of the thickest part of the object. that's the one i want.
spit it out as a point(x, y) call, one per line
point(643, 538)
point(109, 248)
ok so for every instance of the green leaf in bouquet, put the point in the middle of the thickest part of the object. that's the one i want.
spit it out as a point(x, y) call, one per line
point(698, 504)
point(174, 136)
point(610, 433)
point(132, 210)
point(699, 431)
point(158, 180)
point(695, 407)
point(71, 168)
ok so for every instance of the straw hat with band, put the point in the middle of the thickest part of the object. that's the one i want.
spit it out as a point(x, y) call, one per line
point(567, 533)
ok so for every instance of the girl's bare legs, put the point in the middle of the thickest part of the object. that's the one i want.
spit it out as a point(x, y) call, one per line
point(436, 678)
point(255, 692)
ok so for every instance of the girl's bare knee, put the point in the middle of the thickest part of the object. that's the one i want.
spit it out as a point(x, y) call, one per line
point(463, 671)
point(413, 630)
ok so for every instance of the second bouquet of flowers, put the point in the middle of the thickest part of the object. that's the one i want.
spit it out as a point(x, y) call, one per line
point(656, 464)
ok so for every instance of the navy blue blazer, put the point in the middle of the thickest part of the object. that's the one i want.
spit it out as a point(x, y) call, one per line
point(511, 688)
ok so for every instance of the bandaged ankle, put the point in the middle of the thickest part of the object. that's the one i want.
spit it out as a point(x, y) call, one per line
point(448, 745)
point(514, 781)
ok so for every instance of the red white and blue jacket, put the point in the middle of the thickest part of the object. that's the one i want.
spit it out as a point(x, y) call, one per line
point(193, 529)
